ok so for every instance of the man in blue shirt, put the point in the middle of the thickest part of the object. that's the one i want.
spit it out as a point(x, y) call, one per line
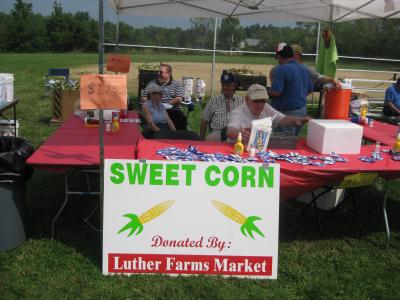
point(290, 85)
point(392, 100)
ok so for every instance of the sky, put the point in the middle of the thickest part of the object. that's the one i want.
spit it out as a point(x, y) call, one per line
point(44, 7)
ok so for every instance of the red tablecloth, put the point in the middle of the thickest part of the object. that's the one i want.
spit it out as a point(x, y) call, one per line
point(381, 132)
point(295, 179)
point(73, 144)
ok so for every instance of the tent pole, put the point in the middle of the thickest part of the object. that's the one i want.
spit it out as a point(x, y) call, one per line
point(117, 33)
point(213, 56)
point(101, 116)
point(318, 37)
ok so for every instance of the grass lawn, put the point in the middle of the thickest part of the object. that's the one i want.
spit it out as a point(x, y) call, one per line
point(348, 262)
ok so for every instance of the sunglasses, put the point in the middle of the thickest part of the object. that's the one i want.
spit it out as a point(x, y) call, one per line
point(260, 101)
point(161, 72)
point(156, 93)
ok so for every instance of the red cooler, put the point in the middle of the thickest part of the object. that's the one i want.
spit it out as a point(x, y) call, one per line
point(337, 102)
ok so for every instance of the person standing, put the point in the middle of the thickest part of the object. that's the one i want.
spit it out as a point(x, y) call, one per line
point(290, 86)
point(218, 109)
point(317, 79)
point(172, 94)
point(392, 100)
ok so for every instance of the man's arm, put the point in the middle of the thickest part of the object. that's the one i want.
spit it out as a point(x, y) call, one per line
point(277, 83)
point(327, 79)
point(176, 100)
point(149, 119)
point(293, 121)
point(393, 107)
point(203, 129)
point(179, 94)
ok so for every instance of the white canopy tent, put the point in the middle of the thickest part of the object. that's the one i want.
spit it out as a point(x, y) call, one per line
point(288, 10)
point(271, 10)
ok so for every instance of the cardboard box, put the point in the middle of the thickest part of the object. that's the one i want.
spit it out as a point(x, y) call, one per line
point(339, 136)
point(63, 104)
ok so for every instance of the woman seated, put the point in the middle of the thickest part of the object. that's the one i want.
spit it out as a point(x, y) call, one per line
point(155, 114)
point(158, 124)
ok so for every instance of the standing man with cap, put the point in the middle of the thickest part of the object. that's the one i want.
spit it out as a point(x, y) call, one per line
point(317, 79)
point(219, 108)
point(290, 85)
point(255, 108)
point(392, 100)
point(172, 94)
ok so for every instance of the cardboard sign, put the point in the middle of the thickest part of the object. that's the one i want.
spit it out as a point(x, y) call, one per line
point(118, 63)
point(175, 217)
point(104, 91)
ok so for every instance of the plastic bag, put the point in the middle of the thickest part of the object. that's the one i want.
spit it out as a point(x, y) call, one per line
point(260, 134)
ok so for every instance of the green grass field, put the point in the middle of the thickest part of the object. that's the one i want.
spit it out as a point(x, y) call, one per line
point(346, 263)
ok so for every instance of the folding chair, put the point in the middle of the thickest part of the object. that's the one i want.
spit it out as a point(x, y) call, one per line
point(54, 72)
point(350, 183)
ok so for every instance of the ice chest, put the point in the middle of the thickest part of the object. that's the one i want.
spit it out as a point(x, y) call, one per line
point(339, 136)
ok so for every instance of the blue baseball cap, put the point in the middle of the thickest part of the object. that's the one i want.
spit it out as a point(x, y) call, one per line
point(227, 77)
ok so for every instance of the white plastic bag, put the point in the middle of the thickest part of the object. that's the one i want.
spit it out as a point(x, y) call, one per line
point(260, 133)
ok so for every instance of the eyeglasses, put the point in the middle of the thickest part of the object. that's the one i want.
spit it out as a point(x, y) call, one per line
point(260, 101)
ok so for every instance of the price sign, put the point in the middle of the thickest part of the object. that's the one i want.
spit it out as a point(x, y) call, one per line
point(104, 91)
point(118, 63)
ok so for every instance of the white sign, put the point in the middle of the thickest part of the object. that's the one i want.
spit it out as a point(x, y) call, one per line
point(175, 217)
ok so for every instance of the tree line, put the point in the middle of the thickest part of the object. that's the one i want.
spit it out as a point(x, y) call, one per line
point(24, 31)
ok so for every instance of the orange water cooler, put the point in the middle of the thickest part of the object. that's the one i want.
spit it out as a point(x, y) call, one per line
point(337, 103)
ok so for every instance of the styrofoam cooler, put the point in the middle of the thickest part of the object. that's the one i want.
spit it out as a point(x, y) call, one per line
point(187, 83)
point(339, 136)
point(6, 87)
point(327, 201)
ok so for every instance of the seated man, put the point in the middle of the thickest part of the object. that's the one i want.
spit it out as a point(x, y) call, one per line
point(392, 100)
point(317, 79)
point(218, 109)
point(172, 93)
point(254, 108)
point(290, 85)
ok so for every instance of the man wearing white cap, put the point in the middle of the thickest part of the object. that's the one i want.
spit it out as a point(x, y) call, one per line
point(254, 108)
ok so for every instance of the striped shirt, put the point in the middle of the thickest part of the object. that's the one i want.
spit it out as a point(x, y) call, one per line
point(217, 111)
point(169, 90)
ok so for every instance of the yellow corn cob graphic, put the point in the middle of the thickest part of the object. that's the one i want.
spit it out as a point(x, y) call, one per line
point(155, 211)
point(136, 222)
point(230, 212)
point(248, 225)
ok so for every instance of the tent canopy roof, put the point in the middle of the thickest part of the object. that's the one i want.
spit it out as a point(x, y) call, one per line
point(289, 10)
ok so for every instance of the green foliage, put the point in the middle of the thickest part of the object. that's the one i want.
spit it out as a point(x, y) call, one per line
point(25, 30)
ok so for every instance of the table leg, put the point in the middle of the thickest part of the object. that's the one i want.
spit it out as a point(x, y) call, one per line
point(385, 213)
point(15, 120)
point(53, 222)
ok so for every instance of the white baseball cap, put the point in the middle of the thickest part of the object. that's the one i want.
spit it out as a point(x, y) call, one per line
point(257, 92)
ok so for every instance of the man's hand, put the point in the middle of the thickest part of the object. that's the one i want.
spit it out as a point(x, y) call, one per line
point(246, 135)
point(153, 127)
point(301, 121)
point(337, 84)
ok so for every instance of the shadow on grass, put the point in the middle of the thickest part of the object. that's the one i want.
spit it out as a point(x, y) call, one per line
point(343, 223)
point(45, 120)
